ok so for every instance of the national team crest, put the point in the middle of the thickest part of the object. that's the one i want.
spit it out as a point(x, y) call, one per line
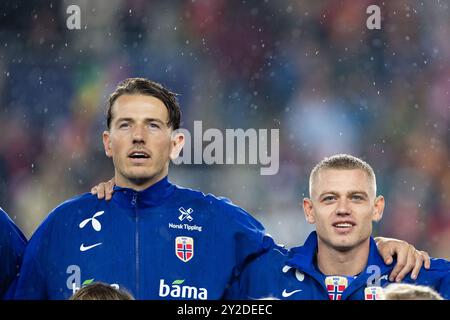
point(336, 286)
point(184, 248)
point(373, 293)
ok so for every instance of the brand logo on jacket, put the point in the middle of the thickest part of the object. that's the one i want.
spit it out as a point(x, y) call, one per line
point(185, 226)
point(300, 276)
point(187, 217)
point(185, 214)
point(184, 248)
point(86, 248)
point(95, 223)
point(287, 294)
point(176, 290)
point(384, 277)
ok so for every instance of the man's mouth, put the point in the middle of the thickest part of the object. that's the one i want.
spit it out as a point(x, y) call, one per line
point(139, 155)
point(344, 226)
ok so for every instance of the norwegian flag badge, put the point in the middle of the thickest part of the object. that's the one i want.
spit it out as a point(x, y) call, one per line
point(184, 248)
point(336, 286)
point(373, 293)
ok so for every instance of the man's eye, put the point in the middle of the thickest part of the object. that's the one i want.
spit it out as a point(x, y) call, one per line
point(358, 198)
point(154, 125)
point(124, 125)
point(328, 198)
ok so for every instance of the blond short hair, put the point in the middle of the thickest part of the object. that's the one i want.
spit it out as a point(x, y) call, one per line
point(405, 291)
point(342, 162)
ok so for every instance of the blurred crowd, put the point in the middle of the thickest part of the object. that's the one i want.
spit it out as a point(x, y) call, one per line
point(311, 69)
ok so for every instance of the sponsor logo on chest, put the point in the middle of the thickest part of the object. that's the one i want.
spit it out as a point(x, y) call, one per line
point(185, 216)
point(178, 290)
point(95, 224)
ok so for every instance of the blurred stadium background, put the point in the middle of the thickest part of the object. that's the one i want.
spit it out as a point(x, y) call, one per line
point(309, 68)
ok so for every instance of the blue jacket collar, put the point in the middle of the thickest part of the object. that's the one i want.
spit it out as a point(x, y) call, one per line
point(154, 195)
point(304, 259)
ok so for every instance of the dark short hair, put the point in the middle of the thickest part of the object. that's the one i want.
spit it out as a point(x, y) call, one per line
point(101, 291)
point(149, 88)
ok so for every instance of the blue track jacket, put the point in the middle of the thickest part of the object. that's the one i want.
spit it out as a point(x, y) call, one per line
point(293, 275)
point(12, 245)
point(165, 242)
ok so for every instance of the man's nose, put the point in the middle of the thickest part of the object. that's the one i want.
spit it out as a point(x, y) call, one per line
point(138, 134)
point(343, 208)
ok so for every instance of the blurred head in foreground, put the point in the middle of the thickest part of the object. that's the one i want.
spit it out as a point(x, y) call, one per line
point(405, 291)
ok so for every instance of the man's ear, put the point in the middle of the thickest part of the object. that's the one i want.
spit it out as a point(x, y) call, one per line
point(378, 209)
point(177, 144)
point(308, 210)
point(107, 144)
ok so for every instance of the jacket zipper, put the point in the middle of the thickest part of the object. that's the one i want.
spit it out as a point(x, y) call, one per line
point(136, 241)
